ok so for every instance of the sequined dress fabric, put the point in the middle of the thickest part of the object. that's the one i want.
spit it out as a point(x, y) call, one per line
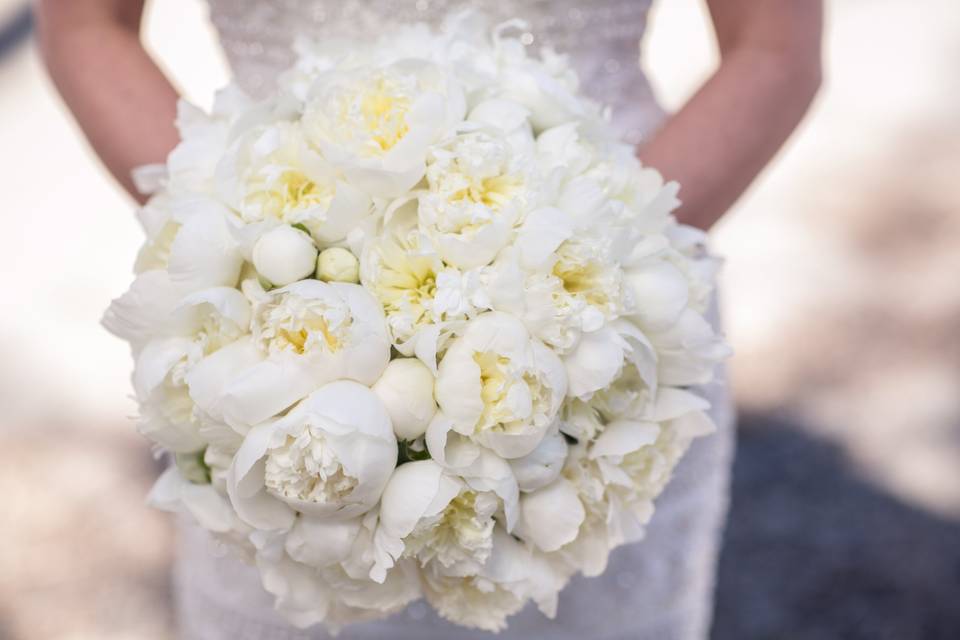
point(659, 589)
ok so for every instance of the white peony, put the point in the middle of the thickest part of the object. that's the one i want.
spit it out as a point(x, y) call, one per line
point(562, 279)
point(202, 324)
point(486, 599)
point(618, 350)
point(498, 387)
point(270, 175)
point(547, 87)
point(433, 516)
point(303, 336)
point(329, 457)
point(424, 299)
point(624, 469)
point(375, 124)
point(317, 573)
point(479, 186)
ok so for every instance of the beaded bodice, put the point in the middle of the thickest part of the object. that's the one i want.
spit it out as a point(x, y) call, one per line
point(602, 38)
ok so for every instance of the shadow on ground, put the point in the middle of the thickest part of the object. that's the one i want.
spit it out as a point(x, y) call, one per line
point(814, 552)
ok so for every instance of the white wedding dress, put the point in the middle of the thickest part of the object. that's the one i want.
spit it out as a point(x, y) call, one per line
point(659, 589)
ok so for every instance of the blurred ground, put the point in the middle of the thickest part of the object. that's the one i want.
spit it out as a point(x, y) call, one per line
point(842, 301)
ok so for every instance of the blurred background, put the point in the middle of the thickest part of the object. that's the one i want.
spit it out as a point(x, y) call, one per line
point(842, 300)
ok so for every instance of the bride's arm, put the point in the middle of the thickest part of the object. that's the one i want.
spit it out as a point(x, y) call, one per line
point(768, 75)
point(120, 98)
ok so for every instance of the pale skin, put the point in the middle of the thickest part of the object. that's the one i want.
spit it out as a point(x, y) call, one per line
point(714, 146)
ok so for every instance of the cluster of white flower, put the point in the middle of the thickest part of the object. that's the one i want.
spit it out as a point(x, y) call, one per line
point(418, 325)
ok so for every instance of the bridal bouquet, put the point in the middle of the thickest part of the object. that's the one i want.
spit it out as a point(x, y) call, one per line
point(417, 325)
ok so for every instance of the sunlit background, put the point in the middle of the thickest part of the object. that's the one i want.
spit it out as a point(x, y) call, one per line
point(842, 300)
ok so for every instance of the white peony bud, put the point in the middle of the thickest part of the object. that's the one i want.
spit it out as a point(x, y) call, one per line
point(541, 466)
point(338, 265)
point(284, 255)
point(406, 389)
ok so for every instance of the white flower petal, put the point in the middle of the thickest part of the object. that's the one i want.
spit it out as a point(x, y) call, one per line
point(551, 516)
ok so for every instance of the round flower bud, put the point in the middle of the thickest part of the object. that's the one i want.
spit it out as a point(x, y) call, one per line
point(284, 255)
point(338, 265)
point(406, 389)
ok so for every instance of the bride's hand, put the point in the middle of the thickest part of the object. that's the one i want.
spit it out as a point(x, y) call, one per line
point(768, 75)
point(120, 98)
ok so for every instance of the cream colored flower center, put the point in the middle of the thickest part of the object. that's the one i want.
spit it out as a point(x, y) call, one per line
point(462, 532)
point(371, 117)
point(304, 468)
point(474, 172)
point(302, 325)
point(217, 332)
point(406, 282)
point(280, 193)
point(585, 276)
point(508, 395)
point(493, 192)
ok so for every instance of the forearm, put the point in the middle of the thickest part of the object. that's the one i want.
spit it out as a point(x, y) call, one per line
point(119, 97)
point(723, 137)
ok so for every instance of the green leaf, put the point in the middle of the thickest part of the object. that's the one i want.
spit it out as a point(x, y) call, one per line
point(406, 453)
point(193, 467)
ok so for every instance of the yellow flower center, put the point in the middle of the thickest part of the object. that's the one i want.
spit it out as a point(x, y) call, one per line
point(302, 326)
point(496, 382)
point(298, 340)
point(280, 195)
point(304, 468)
point(582, 278)
point(492, 192)
point(462, 533)
point(383, 114)
point(407, 282)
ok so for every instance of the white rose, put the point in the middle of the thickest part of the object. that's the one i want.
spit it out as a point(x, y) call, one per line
point(337, 264)
point(406, 389)
point(497, 386)
point(329, 457)
point(375, 124)
point(304, 335)
point(284, 255)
